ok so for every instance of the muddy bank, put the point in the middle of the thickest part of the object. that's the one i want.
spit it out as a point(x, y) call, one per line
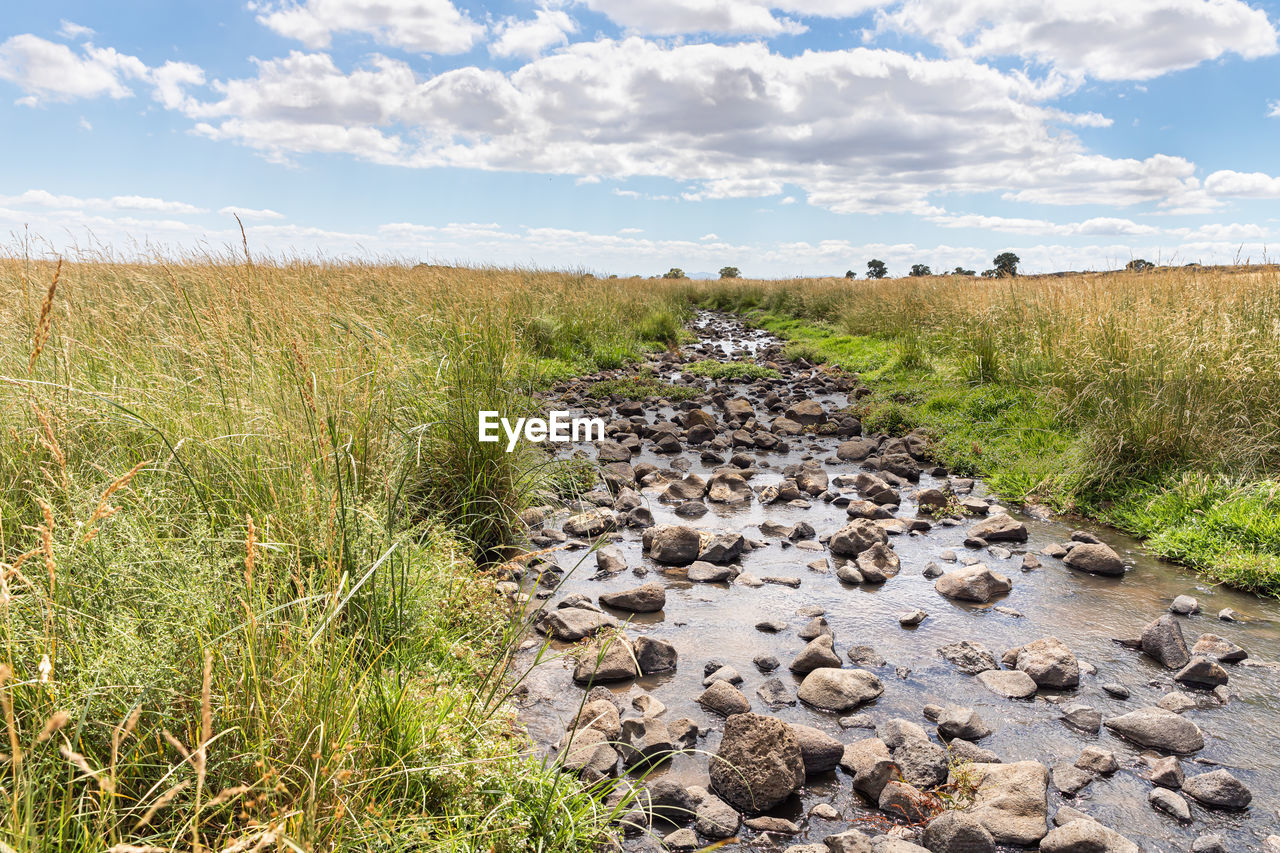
point(811, 529)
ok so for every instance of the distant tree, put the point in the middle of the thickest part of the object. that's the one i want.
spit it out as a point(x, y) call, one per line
point(1006, 264)
point(962, 271)
point(990, 273)
point(730, 272)
point(1139, 265)
point(918, 270)
point(850, 274)
point(674, 272)
point(876, 269)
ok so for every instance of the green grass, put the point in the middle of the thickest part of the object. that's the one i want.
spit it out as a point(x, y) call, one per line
point(1028, 447)
point(741, 371)
point(642, 388)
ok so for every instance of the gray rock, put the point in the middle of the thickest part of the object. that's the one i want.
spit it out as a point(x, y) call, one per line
point(958, 722)
point(1082, 717)
point(588, 753)
point(775, 694)
point(973, 583)
point(681, 839)
point(820, 752)
point(1185, 605)
point(957, 832)
point(1169, 802)
point(1202, 672)
point(648, 598)
point(590, 524)
point(1218, 789)
point(856, 537)
point(574, 623)
point(655, 655)
point(832, 689)
point(923, 763)
point(1162, 640)
point(1069, 779)
point(1011, 800)
point(713, 817)
point(758, 765)
point(724, 699)
point(897, 731)
point(722, 673)
point(1049, 663)
point(864, 656)
point(644, 741)
point(1086, 836)
point(1000, 528)
point(819, 653)
point(603, 660)
point(963, 750)
point(1095, 759)
point(673, 544)
point(851, 841)
point(1158, 729)
point(1217, 648)
point(869, 763)
point(1165, 772)
point(609, 559)
point(1010, 683)
point(1097, 559)
point(700, 571)
point(969, 658)
point(1211, 843)
point(904, 802)
point(878, 563)
point(766, 663)
point(912, 618)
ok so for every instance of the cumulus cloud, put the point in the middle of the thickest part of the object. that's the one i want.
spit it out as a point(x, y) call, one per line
point(1098, 226)
point(71, 30)
point(1242, 184)
point(422, 26)
point(45, 199)
point(856, 130)
point(48, 71)
point(250, 213)
point(1131, 40)
point(530, 38)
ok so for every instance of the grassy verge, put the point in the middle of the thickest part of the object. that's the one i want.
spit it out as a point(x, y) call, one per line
point(244, 515)
point(1031, 442)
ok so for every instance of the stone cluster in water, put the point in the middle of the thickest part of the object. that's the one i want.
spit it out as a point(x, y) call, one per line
point(939, 791)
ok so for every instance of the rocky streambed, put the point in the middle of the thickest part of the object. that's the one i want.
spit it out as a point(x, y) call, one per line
point(798, 636)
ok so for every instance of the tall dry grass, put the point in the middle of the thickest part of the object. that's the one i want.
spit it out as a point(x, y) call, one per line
point(239, 606)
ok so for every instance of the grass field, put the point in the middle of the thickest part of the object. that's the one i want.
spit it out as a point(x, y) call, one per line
point(246, 524)
point(240, 508)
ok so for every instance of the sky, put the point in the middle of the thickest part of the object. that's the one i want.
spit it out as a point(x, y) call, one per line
point(782, 137)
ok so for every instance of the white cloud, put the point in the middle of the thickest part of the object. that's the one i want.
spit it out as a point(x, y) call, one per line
point(1105, 39)
point(422, 26)
point(1098, 226)
point(71, 30)
point(48, 71)
point(1273, 109)
point(45, 199)
point(675, 17)
point(250, 213)
point(530, 38)
point(1242, 184)
point(170, 81)
point(857, 130)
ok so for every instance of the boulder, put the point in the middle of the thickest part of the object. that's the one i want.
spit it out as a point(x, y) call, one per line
point(831, 689)
point(588, 753)
point(969, 658)
point(1169, 802)
point(807, 412)
point(1159, 729)
point(691, 488)
point(1009, 683)
point(1011, 801)
point(608, 659)
point(722, 548)
point(819, 653)
point(958, 722)
point(855, 450)
point(1202, 672)
point(856, 537)
point(904, 802)
point(728, 487)
point(878, 563)
point(713, 817)
point(649, 598)
point(653, 655)
point(1082, 717)
point(575, 623)
point(644, 741)
point(820, 751)
point(1096, 559)
point(1162, 640)
point(1049, 663)
point(869, 763)
point(957, 832)
point(923, 763)
point(758, 765)
point(1213, 646)
point(700, 571)
point(973, 583)
point(1000, 528)
point(1218, 789)
point(724, 699)
point(590, 524)
point(1086, 836)
point(673, 544)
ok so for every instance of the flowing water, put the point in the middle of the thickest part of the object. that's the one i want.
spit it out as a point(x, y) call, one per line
point(716, 622)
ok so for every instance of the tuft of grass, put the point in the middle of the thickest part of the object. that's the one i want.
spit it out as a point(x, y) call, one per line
point(642, 387)
point(742, 371)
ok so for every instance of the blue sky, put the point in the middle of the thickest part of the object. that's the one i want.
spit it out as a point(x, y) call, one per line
point(784, 137)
